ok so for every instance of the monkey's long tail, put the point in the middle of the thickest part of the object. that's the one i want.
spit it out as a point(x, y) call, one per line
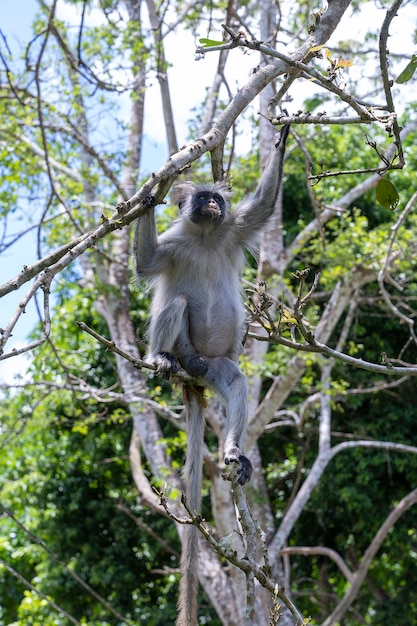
point(187, 603)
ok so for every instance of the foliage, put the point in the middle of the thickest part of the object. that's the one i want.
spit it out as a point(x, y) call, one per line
point(64, 476)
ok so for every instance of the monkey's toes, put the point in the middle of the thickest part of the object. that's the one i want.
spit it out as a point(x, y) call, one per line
point(245, 466)
point(197, 366)
point(166, 365)
point(245, 471)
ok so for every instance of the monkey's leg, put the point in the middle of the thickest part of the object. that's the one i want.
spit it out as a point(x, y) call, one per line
point(164, 331)
point(224, 376)
point(193, 362)
point(169, 334)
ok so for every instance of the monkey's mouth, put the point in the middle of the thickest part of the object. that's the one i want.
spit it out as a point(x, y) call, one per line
point(212, 212)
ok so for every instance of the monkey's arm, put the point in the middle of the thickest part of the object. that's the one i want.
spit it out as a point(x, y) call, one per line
point(152, 254)
point(251, 214)
point(145, 244)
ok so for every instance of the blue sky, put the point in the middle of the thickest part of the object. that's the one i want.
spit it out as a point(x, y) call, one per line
point(15, 21)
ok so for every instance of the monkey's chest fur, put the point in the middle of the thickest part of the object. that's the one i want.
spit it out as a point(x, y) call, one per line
point(207, 271)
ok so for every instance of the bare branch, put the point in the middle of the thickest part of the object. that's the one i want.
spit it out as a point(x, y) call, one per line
point(147, 495)
point(295, 318)
point(383, 274)
point(297, 66)
point(162, 75)
point(39, 593)
point(145, 527)
point(318, 347)
point(248, 563)
point(358, 577)
point(111, 346)
point(313, 478)
point(322, 550)
point(44, 283)
point(64, 566)
point(383, 61)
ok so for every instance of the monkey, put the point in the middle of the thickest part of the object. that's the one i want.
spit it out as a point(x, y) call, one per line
point(197, 318)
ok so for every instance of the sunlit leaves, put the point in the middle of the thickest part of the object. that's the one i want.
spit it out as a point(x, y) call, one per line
point(334, 63)
point(208, 43)
point(316, 48)
point(337, 63)
point(408, 71)
point(349, 242)
point(386, 194)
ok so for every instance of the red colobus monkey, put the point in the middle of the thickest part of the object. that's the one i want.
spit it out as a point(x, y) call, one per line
point(197, 314)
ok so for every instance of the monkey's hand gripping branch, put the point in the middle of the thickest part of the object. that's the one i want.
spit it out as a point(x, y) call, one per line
point(180, 374)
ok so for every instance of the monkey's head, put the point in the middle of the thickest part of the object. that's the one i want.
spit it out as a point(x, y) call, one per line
point(204, 204)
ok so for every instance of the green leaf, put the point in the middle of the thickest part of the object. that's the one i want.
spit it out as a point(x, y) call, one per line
point(408, 71)
point(210, 42)
point(387, 195)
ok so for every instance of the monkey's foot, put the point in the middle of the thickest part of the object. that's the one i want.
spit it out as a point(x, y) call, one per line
point(166, 365)
point(245, 470)
point(197, 366)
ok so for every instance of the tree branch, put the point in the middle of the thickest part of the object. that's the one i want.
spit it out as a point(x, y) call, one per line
point(358, 577)
point(322, 550)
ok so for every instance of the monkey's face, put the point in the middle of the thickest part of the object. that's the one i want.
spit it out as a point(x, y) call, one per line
point(207, 206)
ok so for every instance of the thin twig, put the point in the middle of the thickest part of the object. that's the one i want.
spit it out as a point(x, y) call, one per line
point(44, 597)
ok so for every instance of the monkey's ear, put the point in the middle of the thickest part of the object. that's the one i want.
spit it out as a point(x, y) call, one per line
point(181, 192)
